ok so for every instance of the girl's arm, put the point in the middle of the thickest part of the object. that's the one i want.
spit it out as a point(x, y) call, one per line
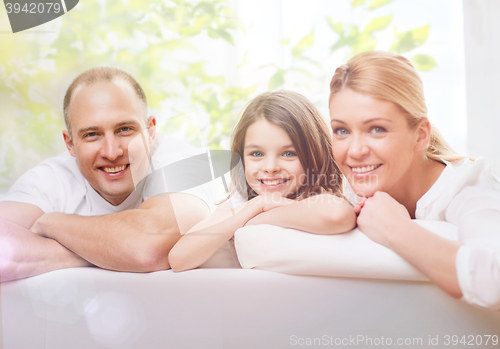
point(320, 214)
point(205, 238)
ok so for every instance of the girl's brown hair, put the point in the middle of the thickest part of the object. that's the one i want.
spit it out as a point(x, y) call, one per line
point(391, 77)
point(310, 136)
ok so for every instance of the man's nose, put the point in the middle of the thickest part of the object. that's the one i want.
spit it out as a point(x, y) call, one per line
point(358, 147)
point(112, 148)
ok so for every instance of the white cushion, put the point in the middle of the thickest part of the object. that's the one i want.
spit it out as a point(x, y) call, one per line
point(351, 254)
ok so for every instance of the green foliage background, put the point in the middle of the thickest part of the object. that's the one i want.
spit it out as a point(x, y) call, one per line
point(157, 42)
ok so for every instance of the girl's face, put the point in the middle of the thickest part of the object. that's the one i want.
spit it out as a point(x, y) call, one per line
point(373, 144)
point(271, 163)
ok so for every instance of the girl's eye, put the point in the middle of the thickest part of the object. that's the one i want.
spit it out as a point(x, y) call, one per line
point(289, 154)
point(377, 130)
point(256, 154)
point(340, 132)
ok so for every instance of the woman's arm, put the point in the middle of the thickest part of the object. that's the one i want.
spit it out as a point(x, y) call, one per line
point(387, 222)
point(205, 238)
point(320, 214)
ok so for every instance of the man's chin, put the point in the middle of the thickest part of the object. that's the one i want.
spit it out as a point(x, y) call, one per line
point(113, 194)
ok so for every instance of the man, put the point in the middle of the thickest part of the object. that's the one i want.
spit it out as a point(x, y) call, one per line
point(82, 209)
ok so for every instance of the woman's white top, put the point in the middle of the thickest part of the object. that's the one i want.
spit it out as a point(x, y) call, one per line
point(467, 195)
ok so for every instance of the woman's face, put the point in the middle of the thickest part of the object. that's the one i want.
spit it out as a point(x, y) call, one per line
point(372, 143)
point(271, 162)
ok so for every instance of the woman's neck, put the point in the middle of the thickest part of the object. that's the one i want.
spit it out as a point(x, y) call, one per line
point(419, 179)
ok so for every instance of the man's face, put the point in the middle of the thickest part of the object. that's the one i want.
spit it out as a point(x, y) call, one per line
point(105, 117)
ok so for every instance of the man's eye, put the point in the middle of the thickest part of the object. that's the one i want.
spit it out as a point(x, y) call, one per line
point(126, 129)
point(340, 132)
point(256, 154)
point(289, 154)
point(90, 135)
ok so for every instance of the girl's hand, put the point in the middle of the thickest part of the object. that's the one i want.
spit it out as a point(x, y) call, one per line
point(380, 216)
point(359, 205)
point(266, 202)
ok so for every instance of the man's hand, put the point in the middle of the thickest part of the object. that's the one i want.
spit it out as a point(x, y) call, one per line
point(40, 227)
point(136, 240)
point(24, 254)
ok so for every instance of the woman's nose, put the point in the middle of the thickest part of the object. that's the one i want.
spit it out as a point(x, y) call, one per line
point(358, 148)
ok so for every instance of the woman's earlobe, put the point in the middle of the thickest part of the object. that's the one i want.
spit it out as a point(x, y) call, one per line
point(424, 135)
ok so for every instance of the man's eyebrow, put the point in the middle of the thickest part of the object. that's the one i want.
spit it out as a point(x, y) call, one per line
point(86, 129)
point(127, 122)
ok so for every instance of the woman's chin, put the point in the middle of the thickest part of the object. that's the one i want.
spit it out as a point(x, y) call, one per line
point(363, 191)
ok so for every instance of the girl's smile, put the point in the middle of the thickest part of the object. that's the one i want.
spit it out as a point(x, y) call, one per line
point(271, 162)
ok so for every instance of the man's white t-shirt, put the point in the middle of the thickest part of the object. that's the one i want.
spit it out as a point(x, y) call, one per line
point(57, 185)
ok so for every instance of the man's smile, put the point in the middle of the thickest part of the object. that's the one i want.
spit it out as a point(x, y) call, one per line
point(114, 169)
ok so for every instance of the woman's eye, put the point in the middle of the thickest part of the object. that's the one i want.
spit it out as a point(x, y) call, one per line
point(289, 154)
point(377, 130)
point(256, 154)
point(340, 132)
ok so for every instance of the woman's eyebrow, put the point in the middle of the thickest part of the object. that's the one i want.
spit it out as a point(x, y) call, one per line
point(336, 120)
point(376, 119)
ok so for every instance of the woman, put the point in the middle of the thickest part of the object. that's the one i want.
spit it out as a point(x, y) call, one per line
point(402, 168)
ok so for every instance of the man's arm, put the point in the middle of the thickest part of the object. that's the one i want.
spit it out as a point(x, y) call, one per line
point(136, 240)
point(24, 254)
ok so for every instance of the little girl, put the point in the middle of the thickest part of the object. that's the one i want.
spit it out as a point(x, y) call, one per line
point(291, 179)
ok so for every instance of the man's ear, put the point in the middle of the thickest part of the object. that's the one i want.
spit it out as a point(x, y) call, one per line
point(151, 128)
point(424, 131)
point(69, 143)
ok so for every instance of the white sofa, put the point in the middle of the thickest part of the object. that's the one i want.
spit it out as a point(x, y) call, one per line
point(231, 308)
point(389, 303)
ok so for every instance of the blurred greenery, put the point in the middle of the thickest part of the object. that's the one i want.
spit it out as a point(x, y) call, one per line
point(147, 39)
point(355, 38)
point(159, 43)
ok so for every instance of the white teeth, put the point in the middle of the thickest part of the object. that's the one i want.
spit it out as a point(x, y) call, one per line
point(364, 168)
point(114, 169)
point(274, 182)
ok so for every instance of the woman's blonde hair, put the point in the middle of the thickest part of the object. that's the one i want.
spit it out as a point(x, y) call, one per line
point(392, 77)
point(310, 136)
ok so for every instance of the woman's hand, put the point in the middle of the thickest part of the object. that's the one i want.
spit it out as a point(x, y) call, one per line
point(380, 216)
